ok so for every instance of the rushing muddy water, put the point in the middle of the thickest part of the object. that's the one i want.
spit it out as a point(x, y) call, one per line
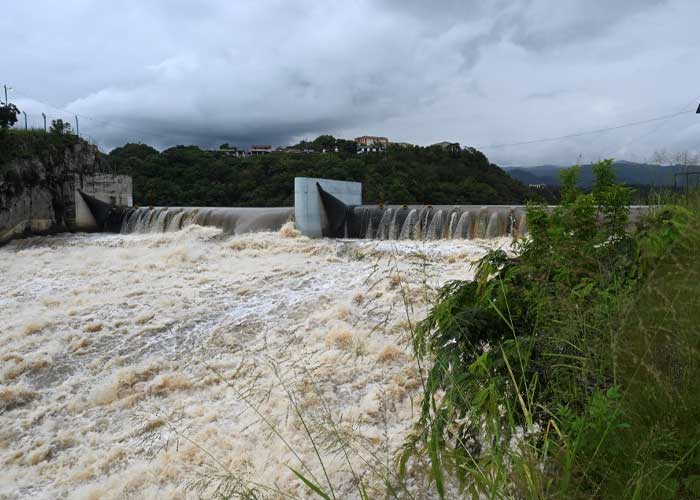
point(155, 365)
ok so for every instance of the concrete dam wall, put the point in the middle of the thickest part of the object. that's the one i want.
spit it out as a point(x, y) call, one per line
point(330, 208)
point(323, 208)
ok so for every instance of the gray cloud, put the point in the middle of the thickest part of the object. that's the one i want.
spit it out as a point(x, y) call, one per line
point(481, 73)
point(547, 26)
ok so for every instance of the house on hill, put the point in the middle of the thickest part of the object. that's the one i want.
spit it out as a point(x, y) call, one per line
point(260, 149)
point(371, 140)
point(230, 151)
point(371, 144)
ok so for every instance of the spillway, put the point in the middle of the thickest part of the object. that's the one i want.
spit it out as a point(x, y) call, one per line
point(414, 222)
point(364, 222)
point(234, 220)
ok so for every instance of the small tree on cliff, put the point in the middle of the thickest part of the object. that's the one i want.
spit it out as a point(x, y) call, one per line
point(8, 115)
point(59, 127)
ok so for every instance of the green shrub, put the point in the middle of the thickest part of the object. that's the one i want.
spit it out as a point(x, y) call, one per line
point(26, 144)
point(567, 370)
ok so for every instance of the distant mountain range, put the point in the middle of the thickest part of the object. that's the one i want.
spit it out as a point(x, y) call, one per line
point(630, 173)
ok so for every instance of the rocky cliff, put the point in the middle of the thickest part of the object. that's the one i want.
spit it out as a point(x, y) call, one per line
point(38, 174)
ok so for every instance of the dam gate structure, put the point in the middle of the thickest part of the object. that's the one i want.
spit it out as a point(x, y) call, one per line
point(313, 213)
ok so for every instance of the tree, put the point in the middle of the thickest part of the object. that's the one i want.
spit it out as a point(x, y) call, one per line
point(8, 115)
point(59, 127)
point(454, 149)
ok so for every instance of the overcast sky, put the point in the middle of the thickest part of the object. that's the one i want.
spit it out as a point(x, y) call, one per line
point(481, 73)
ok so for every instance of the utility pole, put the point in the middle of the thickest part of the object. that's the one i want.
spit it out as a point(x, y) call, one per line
point(77, 127)
point(685, 167)
point(42, 114)
point(25, 120)
point(6, 103)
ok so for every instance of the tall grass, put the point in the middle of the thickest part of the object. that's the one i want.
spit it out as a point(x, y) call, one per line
point(568, 370)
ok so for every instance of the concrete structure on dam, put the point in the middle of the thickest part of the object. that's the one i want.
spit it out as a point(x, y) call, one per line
point(40, 187)
point(113, 189)
point(309, 213)
point(58, 206)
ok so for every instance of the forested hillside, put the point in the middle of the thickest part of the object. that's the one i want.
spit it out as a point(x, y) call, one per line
point(190, 176)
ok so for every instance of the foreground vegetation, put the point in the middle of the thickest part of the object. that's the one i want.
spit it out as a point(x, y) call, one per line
point(570, 370)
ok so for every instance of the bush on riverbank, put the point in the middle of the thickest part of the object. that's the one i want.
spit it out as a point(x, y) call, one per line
point(569, 370)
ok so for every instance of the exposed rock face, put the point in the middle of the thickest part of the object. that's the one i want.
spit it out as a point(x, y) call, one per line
point(38, 188)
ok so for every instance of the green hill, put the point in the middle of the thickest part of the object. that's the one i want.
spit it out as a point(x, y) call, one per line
point(190, 176)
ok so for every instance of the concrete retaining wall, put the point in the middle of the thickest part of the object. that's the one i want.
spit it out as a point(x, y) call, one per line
point(309, 215)
point(56, 206)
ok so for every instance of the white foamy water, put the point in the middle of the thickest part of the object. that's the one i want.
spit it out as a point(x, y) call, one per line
point(153, 365)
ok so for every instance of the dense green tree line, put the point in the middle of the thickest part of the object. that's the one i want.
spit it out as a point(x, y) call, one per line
point(190, 176)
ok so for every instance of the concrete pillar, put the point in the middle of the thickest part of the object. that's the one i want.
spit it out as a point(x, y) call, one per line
point(309, 215)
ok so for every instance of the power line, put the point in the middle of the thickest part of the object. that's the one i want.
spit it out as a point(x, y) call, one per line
point(654, 130)
point(580, 134)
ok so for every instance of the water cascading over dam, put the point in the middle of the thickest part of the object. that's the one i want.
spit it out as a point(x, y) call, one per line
point(436, 222)
point(231, 220)
point(331, 209)
point(365, 222)
point(334, 209)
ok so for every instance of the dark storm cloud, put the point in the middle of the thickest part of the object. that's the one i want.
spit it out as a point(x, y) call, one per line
point(481, 73)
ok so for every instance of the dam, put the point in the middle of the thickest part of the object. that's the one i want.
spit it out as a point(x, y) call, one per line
point(391, 222)
point(330, 208)
point(323, 208)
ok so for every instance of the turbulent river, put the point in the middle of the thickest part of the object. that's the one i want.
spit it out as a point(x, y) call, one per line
point(165, 365)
